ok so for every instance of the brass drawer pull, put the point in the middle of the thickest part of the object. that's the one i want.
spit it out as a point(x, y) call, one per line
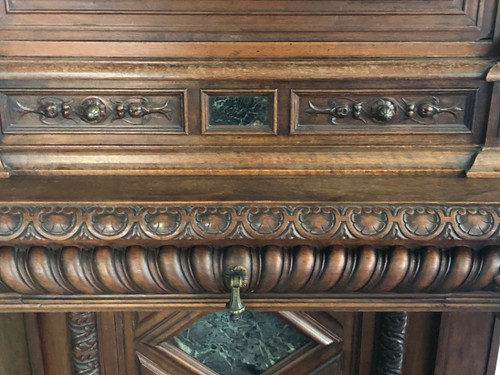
point(235, 279)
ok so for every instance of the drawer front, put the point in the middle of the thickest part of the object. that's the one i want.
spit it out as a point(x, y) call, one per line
point(93, 112)
point(244, 126)
point(315, 112)
point(245, 112)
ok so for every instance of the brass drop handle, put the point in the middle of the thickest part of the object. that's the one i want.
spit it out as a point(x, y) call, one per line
point(235, 278)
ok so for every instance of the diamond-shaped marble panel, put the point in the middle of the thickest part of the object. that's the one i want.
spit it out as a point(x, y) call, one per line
point(247, 346)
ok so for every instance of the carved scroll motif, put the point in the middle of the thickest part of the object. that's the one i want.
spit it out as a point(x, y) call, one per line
point(384, 110)
point(271, 269)
point(83, 328)
point(391, 343)
point(94, 110)
point(237, 222)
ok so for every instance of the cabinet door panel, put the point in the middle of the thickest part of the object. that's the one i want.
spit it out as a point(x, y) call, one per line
point(258, 343)
point(256, 20)
point(329, 343)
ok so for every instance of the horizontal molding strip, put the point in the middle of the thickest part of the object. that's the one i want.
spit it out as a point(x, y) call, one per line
point(42, 223)
point(480, 301)
point(67, 70)
point(271, 269)
point(245, 50)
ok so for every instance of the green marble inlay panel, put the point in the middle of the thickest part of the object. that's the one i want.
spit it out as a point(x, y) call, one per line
point(247, 346)
point(252, 111)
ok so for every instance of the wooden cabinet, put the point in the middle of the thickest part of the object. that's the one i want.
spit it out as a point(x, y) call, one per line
point(344, 154)
point(327, 343)
point(278, 20)
point(352, 87)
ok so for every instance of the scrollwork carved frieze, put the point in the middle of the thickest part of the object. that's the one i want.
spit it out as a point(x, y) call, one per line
point(163, 112)
point(271, 269)
point(94, 110)
point(323, 111)
point(259, 221)
point(383, 110)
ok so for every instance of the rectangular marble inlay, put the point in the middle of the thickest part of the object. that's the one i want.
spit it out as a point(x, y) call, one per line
point(239, 113)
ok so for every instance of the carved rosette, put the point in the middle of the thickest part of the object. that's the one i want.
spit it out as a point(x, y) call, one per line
point(83, 329)
point(369, 222)
point(314, 222)
point(265, 221)
point(213, 221)
point(162, 223)
point(422, 223)
point(262, 222)
point(109, 222)
point(57, 223)
point(474, 223)
point(13, 222)
point(271, 269)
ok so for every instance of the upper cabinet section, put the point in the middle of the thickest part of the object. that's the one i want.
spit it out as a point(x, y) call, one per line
point(250, 20)
point(469, 23)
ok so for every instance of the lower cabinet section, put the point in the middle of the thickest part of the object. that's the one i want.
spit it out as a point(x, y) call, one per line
point(258, 343)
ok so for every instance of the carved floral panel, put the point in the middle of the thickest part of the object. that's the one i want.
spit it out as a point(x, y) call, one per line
point(330, 112)
point(93, 112)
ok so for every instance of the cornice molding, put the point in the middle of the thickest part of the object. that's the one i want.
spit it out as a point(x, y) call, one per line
point(43, 223)
point(170, 270)
point(190, 66)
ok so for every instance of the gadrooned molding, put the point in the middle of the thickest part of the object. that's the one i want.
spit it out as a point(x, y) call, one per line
point(271, 269)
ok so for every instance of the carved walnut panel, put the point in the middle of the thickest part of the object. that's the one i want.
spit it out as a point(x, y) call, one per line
point(411, 111)
point(93, 112)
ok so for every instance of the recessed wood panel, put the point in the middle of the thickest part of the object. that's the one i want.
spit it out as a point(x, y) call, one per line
point(221, 6)
point(92, 112)
point(493, 132)
point(316, 112)
point(256, 20)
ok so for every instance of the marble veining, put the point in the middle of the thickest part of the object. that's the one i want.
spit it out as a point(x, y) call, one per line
point(247, 346)
point(239, 110)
